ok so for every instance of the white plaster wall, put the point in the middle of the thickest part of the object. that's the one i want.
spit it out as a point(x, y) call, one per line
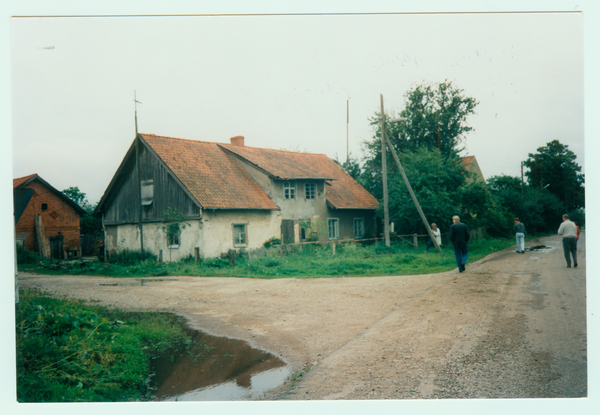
point(218, 229)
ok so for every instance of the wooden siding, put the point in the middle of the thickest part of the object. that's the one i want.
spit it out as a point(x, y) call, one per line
point(123, 207)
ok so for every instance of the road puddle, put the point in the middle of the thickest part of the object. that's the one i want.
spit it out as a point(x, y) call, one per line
point(216, 369)
point(538, 248)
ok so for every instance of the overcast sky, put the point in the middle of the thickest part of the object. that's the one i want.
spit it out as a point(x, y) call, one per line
point(283, 82)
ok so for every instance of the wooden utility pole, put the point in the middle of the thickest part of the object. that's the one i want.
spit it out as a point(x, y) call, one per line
point(138, 146)
point(412, 195)
point(386, 212)
point(386, 141)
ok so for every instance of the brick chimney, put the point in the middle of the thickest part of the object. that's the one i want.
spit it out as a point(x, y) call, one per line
point(238, 140)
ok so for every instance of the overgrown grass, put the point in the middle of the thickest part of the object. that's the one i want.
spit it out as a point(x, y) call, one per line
point(70, 352)
point(313, 262)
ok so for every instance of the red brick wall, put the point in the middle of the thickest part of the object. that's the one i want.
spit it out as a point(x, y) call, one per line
point(59, 217)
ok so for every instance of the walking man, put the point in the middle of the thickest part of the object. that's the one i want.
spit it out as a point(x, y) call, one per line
point(520, 232)
point(568, 230)
point(459, 235)
point(437, 235)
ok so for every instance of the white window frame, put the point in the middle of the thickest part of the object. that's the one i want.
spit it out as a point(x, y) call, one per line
point(361, 235)
point(245, 233)
point(336, 228)
point(310, 189)
point(289, 190)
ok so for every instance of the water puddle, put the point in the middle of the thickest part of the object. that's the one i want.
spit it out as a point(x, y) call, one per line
point(538, 248)
point(216, 369)
point(133, 282)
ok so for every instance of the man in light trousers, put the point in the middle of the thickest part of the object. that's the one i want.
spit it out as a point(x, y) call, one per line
point(568, 230)
point(520, 232)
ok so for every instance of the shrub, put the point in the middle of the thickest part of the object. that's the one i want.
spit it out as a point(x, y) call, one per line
point(128, 257)
point(272, 241)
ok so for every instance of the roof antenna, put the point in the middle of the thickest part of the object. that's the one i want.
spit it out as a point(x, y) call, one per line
point(136, 102)
point(347, 123)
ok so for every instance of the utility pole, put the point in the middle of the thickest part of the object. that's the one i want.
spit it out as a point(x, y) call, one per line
point(386, 212)
point(386, 141)
point(138, 146)
point(522, 192)
point(347, 124)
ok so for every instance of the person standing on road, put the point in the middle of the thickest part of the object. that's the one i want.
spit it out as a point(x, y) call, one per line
point(437, 235)
point(568, 230)
point(459, 235)
point(520, 233)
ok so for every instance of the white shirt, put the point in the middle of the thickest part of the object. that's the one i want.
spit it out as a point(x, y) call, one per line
point(568, 229)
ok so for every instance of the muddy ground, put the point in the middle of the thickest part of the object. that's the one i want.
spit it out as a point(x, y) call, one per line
point(511, 326)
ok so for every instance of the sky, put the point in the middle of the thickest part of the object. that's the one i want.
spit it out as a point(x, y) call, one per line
point(284, 82)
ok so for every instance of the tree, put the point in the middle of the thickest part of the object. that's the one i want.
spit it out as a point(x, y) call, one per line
point(88, 223)
point(553, 167)
point(435, 116)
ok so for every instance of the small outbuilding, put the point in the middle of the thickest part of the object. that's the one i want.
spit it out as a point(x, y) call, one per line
point(46, 220)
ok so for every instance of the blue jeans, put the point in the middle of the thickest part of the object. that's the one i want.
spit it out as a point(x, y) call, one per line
point(461, 256)
point(520, 241)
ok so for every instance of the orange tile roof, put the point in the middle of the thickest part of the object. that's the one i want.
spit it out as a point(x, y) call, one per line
point(211, 176)
point(19, 181)
point(343, 193)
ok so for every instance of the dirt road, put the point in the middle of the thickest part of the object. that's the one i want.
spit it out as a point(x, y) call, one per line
point(511, 326)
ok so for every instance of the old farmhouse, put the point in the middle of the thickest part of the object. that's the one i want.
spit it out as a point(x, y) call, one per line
point(180, 197)
point(46, 221)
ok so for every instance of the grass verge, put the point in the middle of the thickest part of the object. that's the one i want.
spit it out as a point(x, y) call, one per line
point(351, 260)
point(71, 352)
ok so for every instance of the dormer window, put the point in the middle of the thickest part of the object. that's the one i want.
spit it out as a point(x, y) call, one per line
point(289, 190)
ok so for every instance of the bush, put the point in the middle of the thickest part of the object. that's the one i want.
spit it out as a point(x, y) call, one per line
point(128, 257)
point(26, 257)
point(272, 241)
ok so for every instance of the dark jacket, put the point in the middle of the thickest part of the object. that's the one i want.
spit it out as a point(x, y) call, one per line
point(519, 227)
point(459, 235)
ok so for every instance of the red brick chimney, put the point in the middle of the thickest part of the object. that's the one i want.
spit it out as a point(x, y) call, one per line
point(238, 140)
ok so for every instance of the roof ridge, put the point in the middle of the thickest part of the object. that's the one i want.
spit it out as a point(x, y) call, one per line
point(273, 149)
point(178, 138)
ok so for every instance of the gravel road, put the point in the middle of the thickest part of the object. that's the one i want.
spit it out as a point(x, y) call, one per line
point(511, 326)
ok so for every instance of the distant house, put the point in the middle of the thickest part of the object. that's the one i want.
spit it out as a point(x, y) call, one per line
point(46, 221)
point(470, 164)
point(230, 197)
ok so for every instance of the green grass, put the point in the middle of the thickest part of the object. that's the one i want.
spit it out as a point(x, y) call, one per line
point(314, 262)
point(71, 352)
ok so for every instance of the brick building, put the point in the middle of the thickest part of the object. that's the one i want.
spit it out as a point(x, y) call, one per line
point(47, 221)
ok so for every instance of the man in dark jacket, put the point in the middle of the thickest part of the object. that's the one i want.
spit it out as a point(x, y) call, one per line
point(459, 235)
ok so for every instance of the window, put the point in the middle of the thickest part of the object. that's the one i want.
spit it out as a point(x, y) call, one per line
point(173, 235)
point(239, 234)
point(310, 189)
point(359, 228)
point(147, 192)
point(44, 206)
point(289, 190)
point(333, 228)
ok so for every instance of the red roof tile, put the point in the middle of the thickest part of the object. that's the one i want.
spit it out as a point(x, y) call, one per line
point(19, 181)
point(210, 175)
point(343, 193)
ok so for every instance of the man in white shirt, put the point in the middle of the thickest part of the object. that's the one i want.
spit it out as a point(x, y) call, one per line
point(568, 230)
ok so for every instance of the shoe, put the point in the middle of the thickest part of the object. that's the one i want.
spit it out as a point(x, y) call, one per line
point(568, 266)
point(575, 265)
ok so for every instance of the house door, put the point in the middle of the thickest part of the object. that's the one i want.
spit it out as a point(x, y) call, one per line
point(56, 247)
point(287, 232)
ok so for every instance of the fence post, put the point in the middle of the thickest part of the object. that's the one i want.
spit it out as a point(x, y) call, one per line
point(333, 248)
point(232, 257)
point(415, 240)
point(197, 254)
point(160, 256)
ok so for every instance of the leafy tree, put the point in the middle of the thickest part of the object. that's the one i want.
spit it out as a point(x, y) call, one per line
point(553, 167)
point(435, 118)
point(539, 210)
point(351, 166)
point(88, 223)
